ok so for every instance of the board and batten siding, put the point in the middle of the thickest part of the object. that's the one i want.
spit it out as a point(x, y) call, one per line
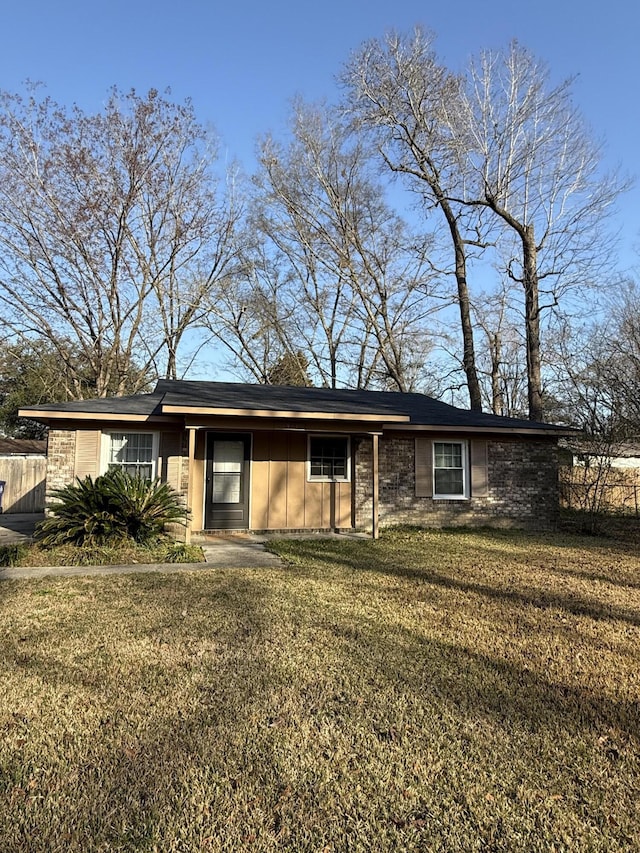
point(282, 497)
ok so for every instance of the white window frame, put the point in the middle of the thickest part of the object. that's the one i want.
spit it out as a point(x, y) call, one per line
point(105, 449)
point(322, 479)
point(464, 445)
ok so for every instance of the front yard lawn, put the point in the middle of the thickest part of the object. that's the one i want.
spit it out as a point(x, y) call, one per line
point(432, 691)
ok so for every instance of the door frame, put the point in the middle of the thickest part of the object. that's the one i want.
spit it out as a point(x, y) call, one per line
point(210, 437)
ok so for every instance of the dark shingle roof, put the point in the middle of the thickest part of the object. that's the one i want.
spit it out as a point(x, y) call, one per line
point(185, 394)
point(137, 404)
point(421, 410)
point(22, 447)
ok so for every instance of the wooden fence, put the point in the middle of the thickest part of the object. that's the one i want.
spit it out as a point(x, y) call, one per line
point(615, 491)
point(24, 479)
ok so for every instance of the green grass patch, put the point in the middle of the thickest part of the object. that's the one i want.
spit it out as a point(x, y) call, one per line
point(165, 550)
point(432, 691)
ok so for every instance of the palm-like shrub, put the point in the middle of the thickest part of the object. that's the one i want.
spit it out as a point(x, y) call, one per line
point(110, 509)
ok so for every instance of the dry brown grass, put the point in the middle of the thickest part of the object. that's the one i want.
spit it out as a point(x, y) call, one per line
point(430, 691)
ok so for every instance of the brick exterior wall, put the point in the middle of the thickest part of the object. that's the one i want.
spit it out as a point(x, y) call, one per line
point(522, 476)
point(61, 458)
point(361, 477)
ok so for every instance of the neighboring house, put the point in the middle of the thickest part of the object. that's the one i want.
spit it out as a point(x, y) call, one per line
point(620, 455)
point(260, 457)
point(23, 466)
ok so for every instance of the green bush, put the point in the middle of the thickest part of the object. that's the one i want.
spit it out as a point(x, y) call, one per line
point(110, 509)
point(10, 555)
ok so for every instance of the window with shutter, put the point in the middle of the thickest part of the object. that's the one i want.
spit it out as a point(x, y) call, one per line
point(450, 470)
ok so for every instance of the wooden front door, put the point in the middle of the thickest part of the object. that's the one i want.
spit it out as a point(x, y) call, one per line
point(227, 492)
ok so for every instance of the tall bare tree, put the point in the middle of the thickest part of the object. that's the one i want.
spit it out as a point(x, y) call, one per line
point(346, 281)
point(527, 155)
point(112, 232)
point(398, 88)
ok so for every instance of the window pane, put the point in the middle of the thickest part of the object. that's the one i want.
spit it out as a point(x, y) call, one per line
point(226, 488)
point(328, 458)
point(132, 452)
point(447, 455)
point(448, 481)
point(228, 456)
point(448, 468)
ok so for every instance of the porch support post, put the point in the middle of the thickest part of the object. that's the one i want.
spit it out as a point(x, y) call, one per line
point(192, 456)
point(375, 493)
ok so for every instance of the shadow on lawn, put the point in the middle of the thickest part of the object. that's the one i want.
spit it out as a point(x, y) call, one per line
point(544, 599)
point(601, 547)
point(521, 540)
point(216, 766)
point(134, 781)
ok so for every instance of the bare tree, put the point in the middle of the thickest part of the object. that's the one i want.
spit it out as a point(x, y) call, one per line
point(527, 155)
point(112, 232)
point(354, 286)
point(501, 361)
point(597, 367)
point(399, 89)
point(249, 315)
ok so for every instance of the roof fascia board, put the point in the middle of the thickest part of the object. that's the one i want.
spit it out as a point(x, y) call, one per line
point(552, 431)
point(279, 415)
point(346, 428)
point(37, 414)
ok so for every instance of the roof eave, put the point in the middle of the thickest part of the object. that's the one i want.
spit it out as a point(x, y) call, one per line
point(533, 430)
point(61, 415)
point(368, 417)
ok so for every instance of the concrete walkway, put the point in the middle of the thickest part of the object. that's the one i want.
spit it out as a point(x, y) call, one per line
point(18, 527)
point(19, 573)
point(232, 551)
point(236, 551)
point(220, 552)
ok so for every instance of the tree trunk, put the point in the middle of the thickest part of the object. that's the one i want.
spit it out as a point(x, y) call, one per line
point(532, 322)
point(468, 352)
point(497, 397)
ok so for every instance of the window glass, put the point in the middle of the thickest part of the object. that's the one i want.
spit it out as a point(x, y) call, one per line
point(132, 452)
point(226, 471)
point(328, 458)
point(448, 468)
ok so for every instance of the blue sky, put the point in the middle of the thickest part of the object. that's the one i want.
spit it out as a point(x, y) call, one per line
point(241, 62)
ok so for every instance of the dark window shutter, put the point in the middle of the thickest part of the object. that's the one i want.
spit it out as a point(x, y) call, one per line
point(423, 468)
point(479, 469)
